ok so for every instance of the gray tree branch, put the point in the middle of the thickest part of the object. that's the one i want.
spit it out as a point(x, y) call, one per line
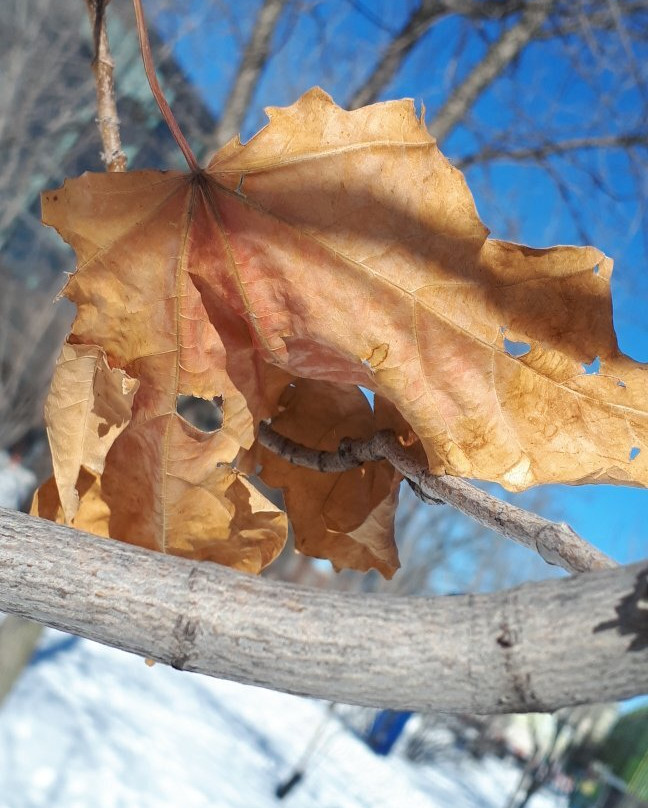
point(538, 647)
point(555, 542)
point(401, 44)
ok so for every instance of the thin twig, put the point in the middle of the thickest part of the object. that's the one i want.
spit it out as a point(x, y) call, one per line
point(556, 542)
point(103, 66)
point(165, 109)
point(549, 149)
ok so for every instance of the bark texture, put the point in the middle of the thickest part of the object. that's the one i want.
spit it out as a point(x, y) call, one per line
point(538, 647)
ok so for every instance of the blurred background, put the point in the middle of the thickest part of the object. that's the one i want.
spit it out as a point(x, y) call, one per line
point(544, 105)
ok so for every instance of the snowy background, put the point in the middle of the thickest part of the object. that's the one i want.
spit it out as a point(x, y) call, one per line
point(88, 725)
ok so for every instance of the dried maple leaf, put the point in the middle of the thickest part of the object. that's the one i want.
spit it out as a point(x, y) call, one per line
point(90, 404)
point(166, 485)
point(340, 247)
point(364, 261)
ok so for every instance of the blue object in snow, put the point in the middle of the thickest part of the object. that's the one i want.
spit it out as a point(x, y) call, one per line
point(386, 729)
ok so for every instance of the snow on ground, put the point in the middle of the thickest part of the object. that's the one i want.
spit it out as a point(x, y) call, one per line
point(91, 727)
point(16, 482)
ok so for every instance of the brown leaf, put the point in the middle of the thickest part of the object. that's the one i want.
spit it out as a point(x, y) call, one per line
point(246, 531)
point(88, 406)
point(346, 517)
point(140, 298)
point(92, 515)
point(341, 247)
point(380, 273)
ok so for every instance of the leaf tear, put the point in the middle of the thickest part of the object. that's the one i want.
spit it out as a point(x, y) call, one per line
point(516, 349)
point(592, 368)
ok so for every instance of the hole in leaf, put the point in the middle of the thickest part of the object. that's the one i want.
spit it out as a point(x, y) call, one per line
point(596, 269)
point(621, 383)
point(593, 367)
point(634, 452)
point(205, 415)
point(516, 349)
point(369, 395)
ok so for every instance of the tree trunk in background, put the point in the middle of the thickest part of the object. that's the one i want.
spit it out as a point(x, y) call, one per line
point(18, 639)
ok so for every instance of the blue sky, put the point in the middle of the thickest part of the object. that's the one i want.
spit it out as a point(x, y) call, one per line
point(515, 200)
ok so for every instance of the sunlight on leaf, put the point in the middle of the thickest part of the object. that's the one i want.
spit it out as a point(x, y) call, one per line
point(343, 248)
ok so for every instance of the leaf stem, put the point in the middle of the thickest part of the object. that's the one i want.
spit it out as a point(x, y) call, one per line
point(165, 109)
point(555, 542)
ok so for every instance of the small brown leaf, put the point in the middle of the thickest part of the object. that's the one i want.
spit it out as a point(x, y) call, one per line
point(88, 407)
point(346, 517)
point(93, 515)
point(245, 530)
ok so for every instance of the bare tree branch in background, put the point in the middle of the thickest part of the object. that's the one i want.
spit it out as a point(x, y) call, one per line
point(576, 15)
point(401, 44)
point(579, 154)
point(419, 22)
point(257, 53)
point(549, 149)
point(499, 55)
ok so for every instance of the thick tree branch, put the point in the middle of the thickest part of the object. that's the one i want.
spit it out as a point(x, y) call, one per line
point(103, 66)
point(556, 542)
point(550, 149)
point(256, 56)
point(538, 647)
point(499, 55)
